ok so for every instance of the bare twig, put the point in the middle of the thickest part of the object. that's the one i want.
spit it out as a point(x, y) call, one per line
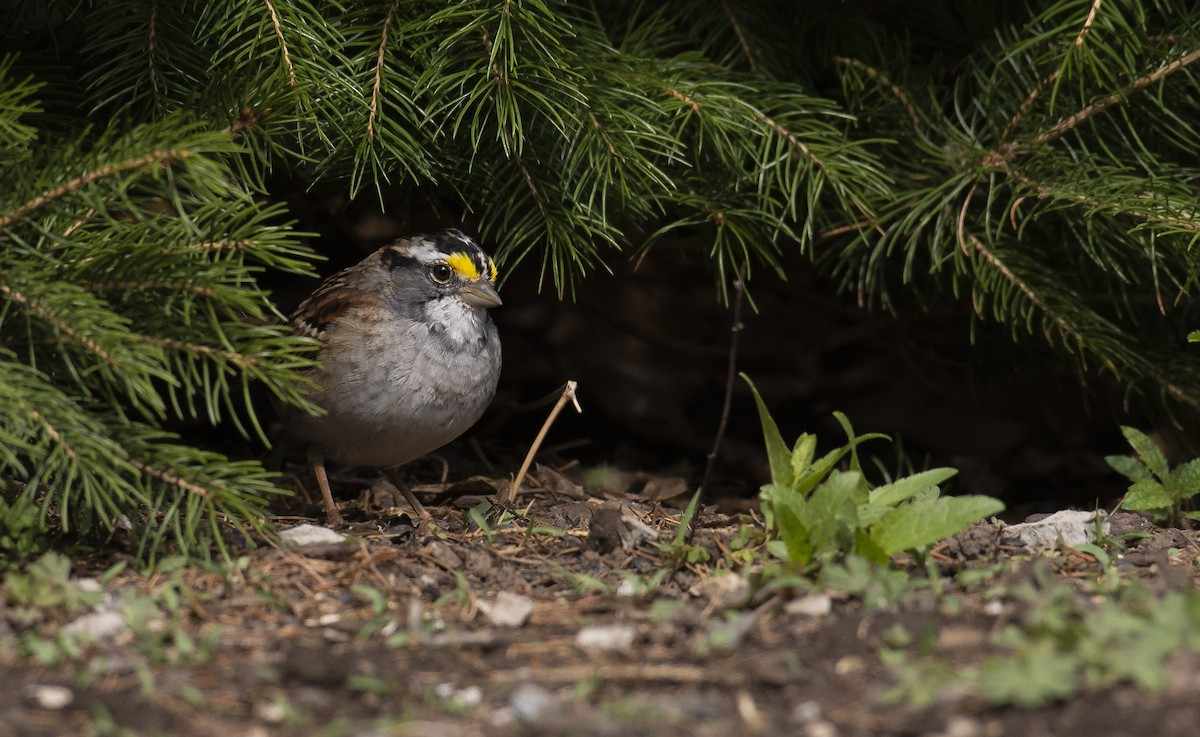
point(739, 288)
point(568, 395)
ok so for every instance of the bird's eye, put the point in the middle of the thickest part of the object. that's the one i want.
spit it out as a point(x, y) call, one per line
point(441, 273)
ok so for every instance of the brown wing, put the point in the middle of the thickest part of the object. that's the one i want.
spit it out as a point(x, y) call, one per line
point(323, 306)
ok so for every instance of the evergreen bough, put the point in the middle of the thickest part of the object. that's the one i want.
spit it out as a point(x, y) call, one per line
point(1034, 161)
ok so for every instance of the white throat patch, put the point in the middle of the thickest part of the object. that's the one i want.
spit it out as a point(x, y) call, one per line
point(457, 321)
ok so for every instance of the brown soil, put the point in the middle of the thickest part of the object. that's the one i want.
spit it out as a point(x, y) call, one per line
point(390, 633)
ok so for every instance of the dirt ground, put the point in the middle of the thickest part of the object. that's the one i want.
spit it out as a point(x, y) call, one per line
point(573, 621)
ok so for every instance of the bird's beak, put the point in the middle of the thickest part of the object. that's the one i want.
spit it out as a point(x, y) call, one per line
point(480, 294)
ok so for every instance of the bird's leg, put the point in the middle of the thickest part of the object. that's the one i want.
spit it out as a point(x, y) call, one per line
point(423, 514)
point(317, 462)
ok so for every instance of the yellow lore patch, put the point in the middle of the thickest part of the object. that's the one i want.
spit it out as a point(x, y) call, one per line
point(463, 264)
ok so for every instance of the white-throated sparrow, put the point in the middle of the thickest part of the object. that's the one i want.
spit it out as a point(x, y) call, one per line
point(409, 357)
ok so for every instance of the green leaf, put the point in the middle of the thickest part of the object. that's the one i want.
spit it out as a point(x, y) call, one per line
point(926, 522)
point(818, 470)
point(901, 489)
point(1038, 675)
point(831, 515)
point(1147, 494)
point(1147, 450)
point(778, 455)
point(802, 458)
point(789, 513)
point(853, 440)
point(1185, 480)
point(1129, 467)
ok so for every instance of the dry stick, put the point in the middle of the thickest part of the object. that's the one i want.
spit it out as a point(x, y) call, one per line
point(568, 395)
point(736, 329)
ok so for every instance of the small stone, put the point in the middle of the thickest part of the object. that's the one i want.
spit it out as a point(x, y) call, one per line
point(808, 711)
point(606, 638)
point(813, 605)
point(820, 728)
point(849, 665)
point(507, 609)
point(1070, 526)
point(53, 698)
point(532, 703)
point(467, 697)
point(311, 535)
point(89, 584)
point(271, 712)
point(956, 637)
point(106, 624)
point(723, 591)
point(960, 726)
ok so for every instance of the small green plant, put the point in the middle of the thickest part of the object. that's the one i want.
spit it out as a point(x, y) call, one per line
point(1156, 487)
point(815, 511)
point(679, 548)
point(1061, 644)
point(22, 533)
point(46, 589)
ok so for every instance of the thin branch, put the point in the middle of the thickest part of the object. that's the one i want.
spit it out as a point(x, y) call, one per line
point(739, 288)
point(1050, 78)
point(843, 229)
point(965, 238)
point(741, 36)
point(387, 25)
point(248, 119)
point(533, 190)
point(53, 432)
point(883, 79)
point(157, 157)
point(159, 286)
point(612, 151)
point(695, 106)
point(1181, 222)
point(1069, 123)
point(509, 142)
point(240, 360)
point(816, 161)
point(152, 47)
point(49, 316)
point(1175, 391)
point(287, 58)
point(220, 246)
point(170, 479)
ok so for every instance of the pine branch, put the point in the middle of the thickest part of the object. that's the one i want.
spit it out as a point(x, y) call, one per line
point(154, 159)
